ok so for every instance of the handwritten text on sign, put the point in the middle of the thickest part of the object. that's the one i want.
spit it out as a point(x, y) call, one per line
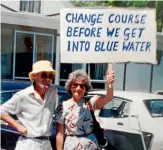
point(108, 35)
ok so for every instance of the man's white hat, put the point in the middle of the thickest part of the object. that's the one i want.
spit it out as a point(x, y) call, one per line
point(41, 66)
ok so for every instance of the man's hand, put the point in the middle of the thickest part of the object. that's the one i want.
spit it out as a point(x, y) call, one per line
point(22, 130)
point(110, 77)
point(14, 123)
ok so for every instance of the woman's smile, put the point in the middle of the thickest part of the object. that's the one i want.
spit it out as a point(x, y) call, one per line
point(78, 89)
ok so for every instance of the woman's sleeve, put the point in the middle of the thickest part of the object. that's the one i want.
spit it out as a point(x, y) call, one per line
point(59, 114)
point(93, 101)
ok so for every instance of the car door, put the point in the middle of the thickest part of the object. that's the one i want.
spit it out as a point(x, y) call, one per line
point(115, 118)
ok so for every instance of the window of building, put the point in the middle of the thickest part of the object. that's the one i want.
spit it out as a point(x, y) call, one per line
point(157, 81)
point(23, 54)
point(66, 69)
point(31, 47)
point(120, 71)
point(7, 35)
point(97, 73)
point(33, 6)
point(138, 77)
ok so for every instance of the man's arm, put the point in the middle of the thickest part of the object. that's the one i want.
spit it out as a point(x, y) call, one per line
point(12, 106)
point(60, 136)
point(15, 124)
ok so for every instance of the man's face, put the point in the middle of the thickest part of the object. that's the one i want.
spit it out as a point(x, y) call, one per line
point(43, 79)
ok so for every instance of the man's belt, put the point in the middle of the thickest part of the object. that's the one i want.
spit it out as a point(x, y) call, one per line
point(38, 137)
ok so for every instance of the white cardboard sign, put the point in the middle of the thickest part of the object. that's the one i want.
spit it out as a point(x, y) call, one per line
point(108, 35)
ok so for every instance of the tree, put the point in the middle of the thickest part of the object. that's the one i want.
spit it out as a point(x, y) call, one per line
point(158, 5)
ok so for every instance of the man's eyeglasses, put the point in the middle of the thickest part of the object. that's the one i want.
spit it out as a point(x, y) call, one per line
point(45, 75)
point(75, 85)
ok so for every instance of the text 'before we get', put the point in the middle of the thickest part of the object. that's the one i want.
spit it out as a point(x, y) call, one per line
point(128, 44)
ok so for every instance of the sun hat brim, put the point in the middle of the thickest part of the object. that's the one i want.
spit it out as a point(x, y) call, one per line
point(34, 72)
point(41, 66)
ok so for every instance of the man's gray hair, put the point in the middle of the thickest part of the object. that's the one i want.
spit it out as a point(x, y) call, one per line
point(76, 74)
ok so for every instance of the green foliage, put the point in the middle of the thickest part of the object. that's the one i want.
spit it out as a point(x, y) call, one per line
point(159, 15)
point(158, 5)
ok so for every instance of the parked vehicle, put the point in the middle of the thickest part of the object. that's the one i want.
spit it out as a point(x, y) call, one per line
point(9, 135)
point(158, 92)
point(133, 120)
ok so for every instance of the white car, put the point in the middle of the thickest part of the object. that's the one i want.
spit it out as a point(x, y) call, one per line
point(133, 120)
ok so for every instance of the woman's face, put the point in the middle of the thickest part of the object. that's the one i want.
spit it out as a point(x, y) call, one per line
point(78, 89)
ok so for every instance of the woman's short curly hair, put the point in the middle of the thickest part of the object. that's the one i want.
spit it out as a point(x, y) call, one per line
point(76, 74)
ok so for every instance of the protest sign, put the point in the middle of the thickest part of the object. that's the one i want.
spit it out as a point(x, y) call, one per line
point(108, 35)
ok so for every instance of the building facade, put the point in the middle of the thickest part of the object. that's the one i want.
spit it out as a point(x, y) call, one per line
point(30, 31)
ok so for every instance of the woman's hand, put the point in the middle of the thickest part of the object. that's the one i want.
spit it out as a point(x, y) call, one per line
point(102, 100)
point(110, 77)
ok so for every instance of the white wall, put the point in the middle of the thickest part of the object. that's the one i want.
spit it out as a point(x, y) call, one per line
point(5, 9)
point(12, 4)
point(29, 20)
point(52, 7)
point(47, 6)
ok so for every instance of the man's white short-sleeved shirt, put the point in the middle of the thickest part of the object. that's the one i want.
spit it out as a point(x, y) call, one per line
point(33, 112)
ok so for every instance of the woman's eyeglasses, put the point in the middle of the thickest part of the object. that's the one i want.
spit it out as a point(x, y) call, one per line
point(75, 85)
point(45, 75)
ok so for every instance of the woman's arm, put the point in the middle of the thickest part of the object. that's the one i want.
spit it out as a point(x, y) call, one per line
point(60, 136)
point(101, 101)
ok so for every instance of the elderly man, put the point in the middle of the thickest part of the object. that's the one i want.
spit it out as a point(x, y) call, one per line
point(34, 108)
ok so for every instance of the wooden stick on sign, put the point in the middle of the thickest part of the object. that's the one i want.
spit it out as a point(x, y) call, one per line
point(110, 68)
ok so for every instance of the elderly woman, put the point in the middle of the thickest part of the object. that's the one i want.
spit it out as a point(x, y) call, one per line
point(74, 120)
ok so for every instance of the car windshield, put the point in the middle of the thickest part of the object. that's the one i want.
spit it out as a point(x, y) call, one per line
point(155, 107)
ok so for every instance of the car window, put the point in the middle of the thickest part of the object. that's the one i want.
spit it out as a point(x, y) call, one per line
point(114, 103)
point(155, 107)
point(6, 96)
point(63, 97)
point(117, 108)
point(125, 110)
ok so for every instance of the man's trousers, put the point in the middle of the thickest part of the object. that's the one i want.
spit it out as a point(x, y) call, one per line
point(33, 144)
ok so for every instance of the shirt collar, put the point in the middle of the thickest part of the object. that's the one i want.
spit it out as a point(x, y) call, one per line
point(32, 91)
